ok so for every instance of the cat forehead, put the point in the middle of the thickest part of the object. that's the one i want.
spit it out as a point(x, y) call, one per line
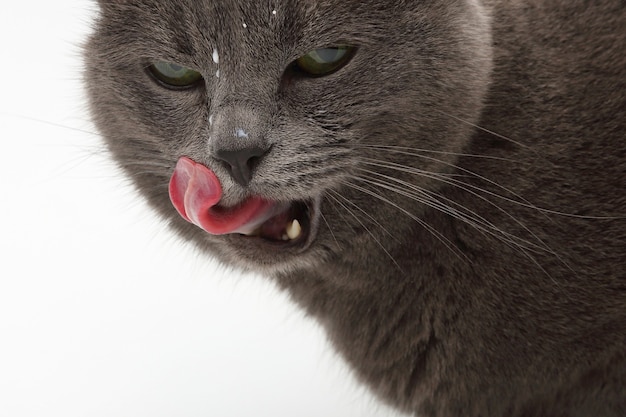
point(242, 28)
point(220, 16)
point(254, 10)
point(256, 34)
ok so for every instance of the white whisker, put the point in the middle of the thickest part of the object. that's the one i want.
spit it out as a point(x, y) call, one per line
point(474, 125)
point(406, 150)
point(468, 216)
point(369, 216)
point(365, 228)
point(445, 241)
point(54, 124)
point(522, 201)
point(330, 228)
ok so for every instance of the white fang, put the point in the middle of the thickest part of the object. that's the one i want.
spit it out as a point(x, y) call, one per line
point(294, 229)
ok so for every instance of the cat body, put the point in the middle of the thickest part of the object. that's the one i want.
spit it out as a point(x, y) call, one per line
point(460, 181)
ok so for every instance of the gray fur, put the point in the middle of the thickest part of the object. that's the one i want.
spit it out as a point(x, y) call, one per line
point(470, 163)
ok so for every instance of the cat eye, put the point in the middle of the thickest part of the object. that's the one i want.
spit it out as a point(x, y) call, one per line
point(324, 61)
point(174, 75)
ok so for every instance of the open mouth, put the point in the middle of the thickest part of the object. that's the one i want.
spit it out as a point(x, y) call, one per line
point(293, 224)
point(196, 192)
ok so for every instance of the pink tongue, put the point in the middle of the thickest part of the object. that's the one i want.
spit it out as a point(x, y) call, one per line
point(195, 191)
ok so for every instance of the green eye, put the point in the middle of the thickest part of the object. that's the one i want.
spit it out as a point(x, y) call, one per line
point(174, 75)
point(324, 61)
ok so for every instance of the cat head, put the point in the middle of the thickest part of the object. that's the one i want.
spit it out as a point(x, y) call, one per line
point(318, 111)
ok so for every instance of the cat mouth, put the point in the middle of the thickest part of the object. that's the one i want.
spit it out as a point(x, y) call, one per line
point(289, 225)
point(195, 192)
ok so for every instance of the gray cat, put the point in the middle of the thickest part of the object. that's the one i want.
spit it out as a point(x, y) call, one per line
point(441, 183)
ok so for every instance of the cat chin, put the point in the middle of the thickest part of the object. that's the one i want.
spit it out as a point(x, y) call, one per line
point(253, 259)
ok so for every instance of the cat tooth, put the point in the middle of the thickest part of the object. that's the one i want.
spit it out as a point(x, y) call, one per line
point(294, 229)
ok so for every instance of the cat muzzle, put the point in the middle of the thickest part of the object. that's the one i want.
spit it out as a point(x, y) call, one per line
point(195, 192)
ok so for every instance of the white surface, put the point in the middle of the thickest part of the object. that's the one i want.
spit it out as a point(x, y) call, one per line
point(102, 311)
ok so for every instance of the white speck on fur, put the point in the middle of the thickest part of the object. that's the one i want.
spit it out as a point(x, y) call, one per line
point(216, 56)
point(217, 73)
point(245, 26)
point(274, 12)
point(240, 133)
point(211, 120)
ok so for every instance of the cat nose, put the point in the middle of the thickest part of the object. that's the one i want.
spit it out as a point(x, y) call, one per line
point(240, 163)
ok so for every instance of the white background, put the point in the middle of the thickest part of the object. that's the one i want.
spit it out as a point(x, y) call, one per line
point(103, 312)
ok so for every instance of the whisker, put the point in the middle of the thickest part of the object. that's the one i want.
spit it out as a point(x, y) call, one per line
point(505, 138)
point(464, 186)
point(366, 229)
point(445, 241)
point(474, 219)
point(330, 228)
point(468, 216)
point(406, 150)
point(483, 227)
point(522, 201)
point(158, 164)
point(423, 195)
point(369, 216)
point(54, 124)
point(513, 241)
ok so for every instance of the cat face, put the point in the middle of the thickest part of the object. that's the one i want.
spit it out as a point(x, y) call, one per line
point(300, 110)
